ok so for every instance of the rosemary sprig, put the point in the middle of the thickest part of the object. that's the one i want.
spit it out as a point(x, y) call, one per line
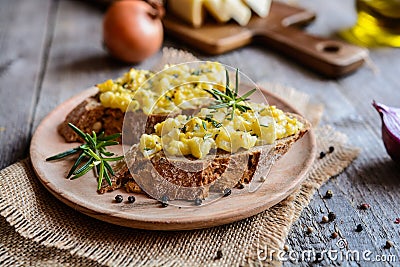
point(230, 98)
point(92, 155)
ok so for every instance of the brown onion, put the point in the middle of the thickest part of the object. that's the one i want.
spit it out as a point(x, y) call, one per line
point(132, 29)
point(390, 129)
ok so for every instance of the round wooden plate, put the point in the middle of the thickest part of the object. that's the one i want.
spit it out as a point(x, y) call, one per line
point(146, 213)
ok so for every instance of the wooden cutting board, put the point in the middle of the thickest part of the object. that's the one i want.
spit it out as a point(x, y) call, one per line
point(278, 30)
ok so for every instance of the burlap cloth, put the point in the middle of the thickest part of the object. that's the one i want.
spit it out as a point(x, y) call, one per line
point(38, 230)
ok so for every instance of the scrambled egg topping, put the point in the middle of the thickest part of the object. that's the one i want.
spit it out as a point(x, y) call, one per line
point(212, 129)
point(179, 86)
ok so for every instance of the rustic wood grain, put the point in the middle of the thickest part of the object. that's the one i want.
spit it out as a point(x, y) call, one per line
point(76, 61)
point(22, 56)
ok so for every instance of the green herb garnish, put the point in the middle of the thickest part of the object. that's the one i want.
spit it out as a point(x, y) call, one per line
point(207, 135)
point(215, 123)
point(230, 98)
point(92, 154)
point(196, 72)
point(204, 125)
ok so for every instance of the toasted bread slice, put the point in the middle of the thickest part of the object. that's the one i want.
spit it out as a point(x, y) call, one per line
point(185, 179)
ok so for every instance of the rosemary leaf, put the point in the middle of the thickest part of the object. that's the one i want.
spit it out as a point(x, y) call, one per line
point(78, 131)
point(106, 153)
point(94, 155)
point(108, 167)
point(106, 143)
point(237, 83)
point(84, 146)
point(211, 93)
point(63, 154)
point(83, 172)
point(94, 136)
point(226, 79)
point(107, 176)
point(91, 141)
point(233, 111)
point(217, 106)
point(100, 136)
point(113, 159)
point(246, 95)
point(84, 167)
point(109, 137)
point(222, 95)
point(76, 164)
point(101, 175)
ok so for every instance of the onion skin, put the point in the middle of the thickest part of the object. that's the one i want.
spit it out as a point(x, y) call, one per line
point(390, 129)
point(132, 30)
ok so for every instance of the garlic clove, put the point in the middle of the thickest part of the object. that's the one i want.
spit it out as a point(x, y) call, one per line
point(390, 129)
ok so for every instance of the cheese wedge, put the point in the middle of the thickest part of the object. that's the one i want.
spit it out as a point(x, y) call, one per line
point(260, 7)
point(238, 11)
point(191, 11)
point(217, 9)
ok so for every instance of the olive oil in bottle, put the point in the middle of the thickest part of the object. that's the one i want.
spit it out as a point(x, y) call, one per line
point(378, 24)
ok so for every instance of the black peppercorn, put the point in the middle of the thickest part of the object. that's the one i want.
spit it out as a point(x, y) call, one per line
point(331, 149)
point(219, 255)
point(322, 154)
point(131, 199)
point(359, 228)
point(240, 186)
point(331, 216)
point(388, 244)
point(164, 201)
point(119, 198)
point(198, 201)
point(227, 192)
point(329, 194)
point(364, 206)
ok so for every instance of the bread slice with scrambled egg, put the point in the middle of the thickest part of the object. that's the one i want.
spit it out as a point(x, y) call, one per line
point(215, 149)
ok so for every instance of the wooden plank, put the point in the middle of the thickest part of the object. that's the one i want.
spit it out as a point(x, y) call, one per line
point(22, 57)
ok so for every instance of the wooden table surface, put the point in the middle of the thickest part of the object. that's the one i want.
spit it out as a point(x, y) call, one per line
point(50, 51)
